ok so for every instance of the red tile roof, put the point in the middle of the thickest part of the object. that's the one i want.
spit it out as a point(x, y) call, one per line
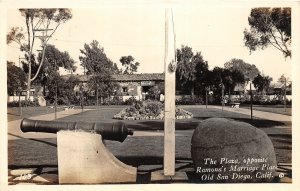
point(139, 77)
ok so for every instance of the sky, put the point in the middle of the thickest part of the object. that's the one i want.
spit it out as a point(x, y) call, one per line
point(138, 30)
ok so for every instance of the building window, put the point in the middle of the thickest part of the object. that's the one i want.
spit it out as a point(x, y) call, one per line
point(145, 89)
point(125, 89)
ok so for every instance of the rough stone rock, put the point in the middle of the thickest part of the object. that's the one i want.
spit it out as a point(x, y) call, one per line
point(233, 143)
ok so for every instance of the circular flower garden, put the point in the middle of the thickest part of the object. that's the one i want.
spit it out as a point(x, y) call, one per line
point(149, 110)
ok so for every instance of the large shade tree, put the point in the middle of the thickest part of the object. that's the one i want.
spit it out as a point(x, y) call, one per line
point(250, 71)
point(15, 78)
point(129, 65)
point(269, 27)
point(262, 83)
point(190, 69)
point(42, 24)
point(100, 68)
point(202, 74)
point(63, 88)
point(53, 60)
point(226, 79)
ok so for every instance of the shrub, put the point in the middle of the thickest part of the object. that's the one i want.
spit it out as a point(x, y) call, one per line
point(130, 101)
point(189, 101)
point(149, 110)
point(154, 107)
point(24, 103)
point(148, 107)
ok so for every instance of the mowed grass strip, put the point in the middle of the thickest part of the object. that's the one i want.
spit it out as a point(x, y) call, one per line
point(13, 113)
point(279, 109)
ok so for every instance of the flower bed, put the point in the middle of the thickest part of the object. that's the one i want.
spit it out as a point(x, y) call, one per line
point(148, 110)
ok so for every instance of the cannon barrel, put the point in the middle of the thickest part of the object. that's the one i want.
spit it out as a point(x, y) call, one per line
point(109, 131)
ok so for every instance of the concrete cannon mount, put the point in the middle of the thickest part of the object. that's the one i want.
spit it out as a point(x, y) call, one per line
point(83, 159)
point(229, 151)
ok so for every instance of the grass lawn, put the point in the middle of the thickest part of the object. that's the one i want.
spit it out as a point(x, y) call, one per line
point(271, 108)
point(106, 114)
point(144, 152)
point(13, 113)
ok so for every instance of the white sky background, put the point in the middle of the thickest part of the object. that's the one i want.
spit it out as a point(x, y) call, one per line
point(215, 31)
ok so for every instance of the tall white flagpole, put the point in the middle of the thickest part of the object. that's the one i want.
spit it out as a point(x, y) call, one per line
point(169, 121)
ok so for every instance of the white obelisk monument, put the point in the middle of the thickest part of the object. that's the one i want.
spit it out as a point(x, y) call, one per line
point(169, 121)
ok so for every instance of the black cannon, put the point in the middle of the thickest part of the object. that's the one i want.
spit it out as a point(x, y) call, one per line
point(109, 131)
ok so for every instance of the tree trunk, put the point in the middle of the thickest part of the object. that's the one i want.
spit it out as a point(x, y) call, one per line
point(29, 79)
point(97, 102)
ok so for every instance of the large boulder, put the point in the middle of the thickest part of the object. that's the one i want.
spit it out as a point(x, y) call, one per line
point(225, 150)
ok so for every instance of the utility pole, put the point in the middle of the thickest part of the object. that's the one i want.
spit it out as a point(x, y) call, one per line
point(81, 95)
point(55, 106)
point(206, 101)
point(251, 99)
point(20, 105)
point(97, 94)
point(222, 86)
point(284, 101)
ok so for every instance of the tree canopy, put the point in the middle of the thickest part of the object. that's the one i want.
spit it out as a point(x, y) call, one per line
point(129, 65)
point(54, 59)
point(191, 69)
point(100, 67)
point(262, 83)
point(269, 27)
point(15, 78)
point(250, 71)
point(42, 24)
point(63, 87)
point(226, 77)
point(95, 61)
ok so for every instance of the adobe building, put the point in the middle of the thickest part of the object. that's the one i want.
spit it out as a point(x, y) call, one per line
point(132, 85)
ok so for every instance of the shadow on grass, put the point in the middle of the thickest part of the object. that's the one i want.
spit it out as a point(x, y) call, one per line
point(280, 135)
point(151, 160)
point(15, 114)
point(261, 123)
point(39, 166)
point(37, 140)
point(159, 125)
point(144, 175)
point(192, 124)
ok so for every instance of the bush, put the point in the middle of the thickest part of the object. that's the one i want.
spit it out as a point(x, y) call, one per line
point(117, 100)
point(24, 103)
point(130, 101)
point(149, 110)
point(189, 101)
point(268, 102)
point(152, 108)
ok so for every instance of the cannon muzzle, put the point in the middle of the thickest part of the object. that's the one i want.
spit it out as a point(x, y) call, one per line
point(109, 131)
